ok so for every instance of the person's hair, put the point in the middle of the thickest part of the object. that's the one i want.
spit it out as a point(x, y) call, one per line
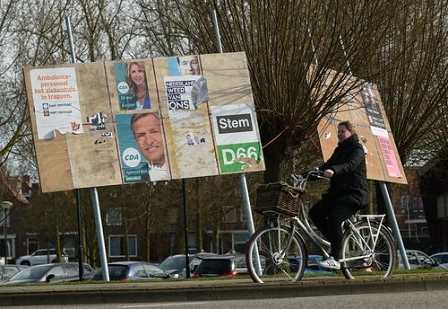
point(136, 117)
point(350, 127)
point(132, 85)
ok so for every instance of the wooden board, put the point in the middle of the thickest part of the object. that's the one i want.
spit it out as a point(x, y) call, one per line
point(363, 107)
point(81, 119)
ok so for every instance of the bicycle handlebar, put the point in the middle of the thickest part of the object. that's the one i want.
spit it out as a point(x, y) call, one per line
point(300, 180)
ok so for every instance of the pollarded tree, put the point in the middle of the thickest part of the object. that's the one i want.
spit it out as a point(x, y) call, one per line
point(413, 79)
point(13, 115)
point(283, 40)
point(399, 45)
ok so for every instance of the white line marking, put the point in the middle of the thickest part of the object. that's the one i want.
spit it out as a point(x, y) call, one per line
point(164, 305)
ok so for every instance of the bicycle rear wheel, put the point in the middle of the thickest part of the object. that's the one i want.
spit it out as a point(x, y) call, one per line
point(276, 254)
point(380, 258)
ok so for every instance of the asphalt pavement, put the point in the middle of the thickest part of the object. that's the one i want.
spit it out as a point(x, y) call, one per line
point(222, 289)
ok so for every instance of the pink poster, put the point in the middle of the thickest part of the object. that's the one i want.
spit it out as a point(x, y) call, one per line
point(389, 156)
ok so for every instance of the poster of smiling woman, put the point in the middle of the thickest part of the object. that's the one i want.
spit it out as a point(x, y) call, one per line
point(132, 85)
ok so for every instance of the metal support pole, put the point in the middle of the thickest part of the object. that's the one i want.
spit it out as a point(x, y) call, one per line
point(5, 230)
point(99, 233)
point(246, 202)
point(187, 260)
point(394, 224)
point(243, 183)
point(80, 242)
point(217, 33)
point(345, 54)
point(77, 193)
point(70, 40)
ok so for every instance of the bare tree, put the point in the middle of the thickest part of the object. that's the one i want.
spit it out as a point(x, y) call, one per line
point(414, 83)
point(13, 115)
point(283, 40)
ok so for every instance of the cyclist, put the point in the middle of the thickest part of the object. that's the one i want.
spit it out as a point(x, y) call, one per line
point(347, 194)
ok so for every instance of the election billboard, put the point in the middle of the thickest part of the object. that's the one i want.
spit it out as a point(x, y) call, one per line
point(155, 119)
point(361, 104)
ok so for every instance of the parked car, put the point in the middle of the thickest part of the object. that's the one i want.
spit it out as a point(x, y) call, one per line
point(197, 259)
point(215, 267)
point(7, 271)
point(176, 264)
point(41, 256)
point(441, 258)
point(312, 267)
point(132, 270)
point(240, 262)
point(54, 272)
point(417, 260)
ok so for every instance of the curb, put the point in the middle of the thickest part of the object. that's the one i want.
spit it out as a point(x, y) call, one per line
point(202, 290)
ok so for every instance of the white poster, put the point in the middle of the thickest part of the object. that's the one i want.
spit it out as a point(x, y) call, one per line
point(56, 102)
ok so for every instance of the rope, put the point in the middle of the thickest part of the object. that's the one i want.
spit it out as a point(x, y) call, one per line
point(278, 135)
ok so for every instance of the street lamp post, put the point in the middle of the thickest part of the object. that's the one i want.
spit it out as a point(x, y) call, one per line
point(6, 205)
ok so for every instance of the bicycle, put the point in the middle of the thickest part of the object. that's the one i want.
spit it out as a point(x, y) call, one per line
point(278, 250)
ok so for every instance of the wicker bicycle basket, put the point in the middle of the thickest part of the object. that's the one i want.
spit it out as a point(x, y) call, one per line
point(278, 198)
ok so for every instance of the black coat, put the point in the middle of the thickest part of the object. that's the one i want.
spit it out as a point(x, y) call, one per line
point(349, 181)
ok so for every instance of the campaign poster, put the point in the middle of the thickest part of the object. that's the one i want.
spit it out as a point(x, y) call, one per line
point(372, 106)
point(56, 101)
point(132, 85)
point(237, 143)
point(378, 127)
point(191, 145)
point(142, 147)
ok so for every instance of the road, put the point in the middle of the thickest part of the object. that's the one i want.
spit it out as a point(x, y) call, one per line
point(408, 300)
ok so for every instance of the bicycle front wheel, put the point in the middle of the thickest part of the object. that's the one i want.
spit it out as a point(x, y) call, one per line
point(371, 250)
point(276, 254)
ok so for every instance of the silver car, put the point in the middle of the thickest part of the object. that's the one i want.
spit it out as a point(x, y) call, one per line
point(41, 256)
point(7, 271)
point(441, 258)
point(56, 272)
point(417, 260)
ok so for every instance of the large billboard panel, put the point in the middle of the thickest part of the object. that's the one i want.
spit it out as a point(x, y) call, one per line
point(361, 104)
point(155, 119)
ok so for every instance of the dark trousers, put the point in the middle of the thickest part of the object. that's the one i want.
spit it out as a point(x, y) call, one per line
point(328, 216)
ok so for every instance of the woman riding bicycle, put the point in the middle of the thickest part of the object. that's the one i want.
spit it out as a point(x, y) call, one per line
point(347, 194)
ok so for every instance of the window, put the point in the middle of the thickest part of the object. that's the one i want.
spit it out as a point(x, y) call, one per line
point(33, 244)
point(229, 214)
point(113, 217)
point(58, 272)
point(117, 245)
point(154, 272)
point(241, 237)
point(2, 218)
point(140, 271)
point(71, 270)
point(172, 214)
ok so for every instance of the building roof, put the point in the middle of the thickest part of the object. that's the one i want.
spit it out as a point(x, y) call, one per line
point(17, 188)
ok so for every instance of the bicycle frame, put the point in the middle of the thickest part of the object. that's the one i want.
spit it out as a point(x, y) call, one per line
point(304, 226)
point(361, 241)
